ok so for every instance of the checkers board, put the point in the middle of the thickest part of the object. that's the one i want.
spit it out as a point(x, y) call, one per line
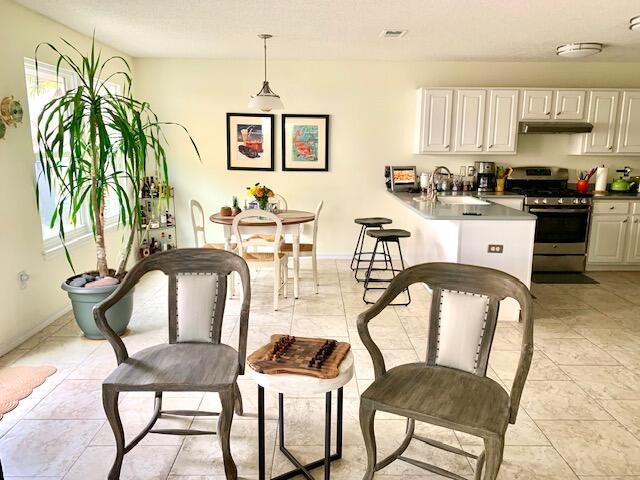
point(295, 359)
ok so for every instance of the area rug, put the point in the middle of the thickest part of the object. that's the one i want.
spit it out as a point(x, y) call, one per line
point(563, 278)
point(18, 382)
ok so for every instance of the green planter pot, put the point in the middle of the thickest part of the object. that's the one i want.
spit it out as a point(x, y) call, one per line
point(84, 299)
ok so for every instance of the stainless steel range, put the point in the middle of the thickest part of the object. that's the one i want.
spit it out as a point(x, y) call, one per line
point(563, 215)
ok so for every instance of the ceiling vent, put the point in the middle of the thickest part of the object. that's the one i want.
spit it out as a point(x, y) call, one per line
point(392, 33)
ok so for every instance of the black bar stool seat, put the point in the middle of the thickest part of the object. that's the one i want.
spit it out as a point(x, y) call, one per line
point(373, 221)
point(359, 256)
point(389, 234)
point(384, 237)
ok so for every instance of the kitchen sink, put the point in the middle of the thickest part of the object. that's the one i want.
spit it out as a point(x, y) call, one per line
point(466, 200)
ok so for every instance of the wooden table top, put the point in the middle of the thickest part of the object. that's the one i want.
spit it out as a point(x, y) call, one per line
point(290, 217)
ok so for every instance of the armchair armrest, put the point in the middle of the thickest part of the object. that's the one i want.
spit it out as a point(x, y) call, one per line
point(526, 354)
point(397, 285)
point(100, 315)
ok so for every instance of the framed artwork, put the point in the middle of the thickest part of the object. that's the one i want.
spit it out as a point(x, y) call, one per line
point(250, 141)
point(305, 142)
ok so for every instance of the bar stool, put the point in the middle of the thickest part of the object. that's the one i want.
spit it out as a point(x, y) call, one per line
point(385, 237)
point(366, 224)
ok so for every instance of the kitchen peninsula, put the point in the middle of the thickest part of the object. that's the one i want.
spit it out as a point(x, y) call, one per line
point(471, 229)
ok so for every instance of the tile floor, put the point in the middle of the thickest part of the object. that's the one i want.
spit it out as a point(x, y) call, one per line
point(580, 415)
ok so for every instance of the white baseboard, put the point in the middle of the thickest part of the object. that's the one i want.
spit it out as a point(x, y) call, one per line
point(6, 347)
point(611, 268)
point(335, 256)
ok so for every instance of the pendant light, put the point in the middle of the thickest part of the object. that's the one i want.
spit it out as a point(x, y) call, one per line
point(266, 99)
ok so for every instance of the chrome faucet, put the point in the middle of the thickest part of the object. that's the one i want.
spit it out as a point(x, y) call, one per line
point(439, 171)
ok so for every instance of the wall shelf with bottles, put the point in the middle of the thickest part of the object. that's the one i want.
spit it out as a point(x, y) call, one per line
point(157, 227)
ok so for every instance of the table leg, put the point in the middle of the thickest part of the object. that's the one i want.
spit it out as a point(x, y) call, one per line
point(339, 415)
point(261, 453)
point(296, 263)
point(327, 437)
point(227, 247)
point(304, 470)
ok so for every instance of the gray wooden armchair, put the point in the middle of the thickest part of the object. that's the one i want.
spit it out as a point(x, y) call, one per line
point(194, 359)
point(450, 389)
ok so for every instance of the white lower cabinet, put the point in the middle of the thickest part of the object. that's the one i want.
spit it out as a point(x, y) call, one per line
point(607, 239)
point(633, 247)
point(614, 237)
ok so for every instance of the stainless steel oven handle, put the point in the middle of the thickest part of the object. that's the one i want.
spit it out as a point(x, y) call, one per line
point(559, 210)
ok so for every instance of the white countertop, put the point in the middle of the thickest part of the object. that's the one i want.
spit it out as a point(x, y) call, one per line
point(441, 211)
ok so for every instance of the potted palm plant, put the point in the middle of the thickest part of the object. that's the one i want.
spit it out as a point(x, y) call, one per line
point(96, 145)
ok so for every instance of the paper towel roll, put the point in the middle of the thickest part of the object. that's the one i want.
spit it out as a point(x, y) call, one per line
point(602, 175)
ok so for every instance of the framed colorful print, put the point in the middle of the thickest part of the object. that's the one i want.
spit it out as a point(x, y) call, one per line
point(305, 142)
point(249, 141)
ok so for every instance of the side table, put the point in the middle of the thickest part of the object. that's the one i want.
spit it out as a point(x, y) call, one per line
point(295, 385)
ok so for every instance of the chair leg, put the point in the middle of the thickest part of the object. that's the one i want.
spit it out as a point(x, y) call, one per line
point(239, 409)
point(224, 433)
point(276, 283)
point(110, 404)
point(314, 265)
point(367, 416)
point(493, 447)
point(285, 280)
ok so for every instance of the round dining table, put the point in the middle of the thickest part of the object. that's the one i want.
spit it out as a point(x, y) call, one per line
point(291, 221)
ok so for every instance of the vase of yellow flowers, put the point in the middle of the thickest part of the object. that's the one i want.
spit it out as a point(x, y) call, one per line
point(261, 193)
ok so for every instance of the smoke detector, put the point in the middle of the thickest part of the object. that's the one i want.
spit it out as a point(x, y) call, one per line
point(579, 50)
point(393, 33)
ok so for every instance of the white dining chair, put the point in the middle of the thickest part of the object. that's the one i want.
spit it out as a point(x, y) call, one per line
point(276, 256)
point(199, 233)
point(281, 201)
point(308, 249)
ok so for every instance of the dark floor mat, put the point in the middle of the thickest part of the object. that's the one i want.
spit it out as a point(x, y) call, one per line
point(560, 278)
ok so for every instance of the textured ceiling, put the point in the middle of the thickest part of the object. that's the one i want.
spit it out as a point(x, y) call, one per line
point(439, 30)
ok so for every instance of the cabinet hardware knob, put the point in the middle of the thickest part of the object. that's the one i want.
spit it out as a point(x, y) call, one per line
point(558, 114)
point(612, 207)
point(610, 147)
point(625, 220)
point(479, 146)
point(547, 113)
point(447, 146)
point(491, 146)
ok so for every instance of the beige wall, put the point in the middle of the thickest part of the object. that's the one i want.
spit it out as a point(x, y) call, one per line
point(23, 312)
point(372, 109)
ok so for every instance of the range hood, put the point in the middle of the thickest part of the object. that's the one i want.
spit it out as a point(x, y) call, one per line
point(555, 127)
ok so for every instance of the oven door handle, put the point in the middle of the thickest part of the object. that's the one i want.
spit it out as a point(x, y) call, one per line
point(559, 210)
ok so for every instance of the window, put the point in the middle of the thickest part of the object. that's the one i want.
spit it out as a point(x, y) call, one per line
point(41, 90)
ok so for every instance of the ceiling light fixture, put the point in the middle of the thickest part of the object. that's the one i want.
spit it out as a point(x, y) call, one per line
point(579, 50)
point(392, 33)
point(634, 24)
point(266, 99)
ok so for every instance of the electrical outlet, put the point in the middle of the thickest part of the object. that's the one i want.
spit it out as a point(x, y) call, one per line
point(493, 248)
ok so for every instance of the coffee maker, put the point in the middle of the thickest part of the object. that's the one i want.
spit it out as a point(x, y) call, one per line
point(485, 176)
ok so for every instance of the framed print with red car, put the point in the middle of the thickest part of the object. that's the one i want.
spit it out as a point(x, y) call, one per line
point(305, 142)
point(250, 141)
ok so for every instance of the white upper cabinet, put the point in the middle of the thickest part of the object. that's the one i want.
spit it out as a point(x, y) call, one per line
point(536, 104)
point(569, 104)
point(434, 120)
point(469, 124)
point(629, 131)
point(485, 120)
point(603, 106)
point(502, 128)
